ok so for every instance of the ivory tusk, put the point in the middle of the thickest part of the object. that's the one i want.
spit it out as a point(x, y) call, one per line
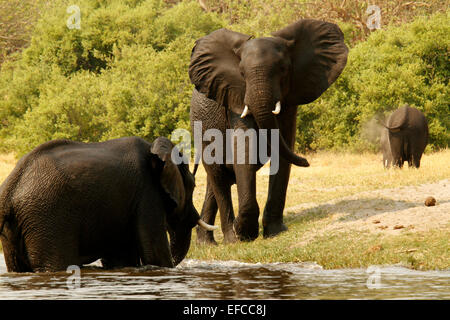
point(245, 112)
point(206, 226)
point(277, 108)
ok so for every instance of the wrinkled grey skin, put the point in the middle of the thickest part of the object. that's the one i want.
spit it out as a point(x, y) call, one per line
point(71, 203)
point(231, 70)
point(404, 137)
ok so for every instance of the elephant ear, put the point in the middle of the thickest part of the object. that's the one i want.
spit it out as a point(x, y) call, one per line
point(171, 179)
point(319, 55)
point(214, 68)
point(399, 119)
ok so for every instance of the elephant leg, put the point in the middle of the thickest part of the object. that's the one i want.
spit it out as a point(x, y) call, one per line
point(396, 144)
point(50, 256)
point(153, 243)
point(245, 165)
point(119, 261)
point(418, 144)
point(14, 253)
point(410, 161)
point(55, 245)
point(273, 212)
point(246, 224)
point(416, 159)
point(221, 187)
point(123, 255)
point(278, 183)
point(416, 155)
point(209, 211)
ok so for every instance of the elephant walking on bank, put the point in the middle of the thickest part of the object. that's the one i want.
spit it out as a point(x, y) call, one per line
point(404, 137)
point(246, 83)
point(71, 203)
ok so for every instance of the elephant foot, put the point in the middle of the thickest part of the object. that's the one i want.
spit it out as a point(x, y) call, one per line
point(229, 236)
point(246, 231)
point(273, 229)
point(205, 237)
point(207, 242)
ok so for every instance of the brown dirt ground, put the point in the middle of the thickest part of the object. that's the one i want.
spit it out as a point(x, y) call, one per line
point(388, 211)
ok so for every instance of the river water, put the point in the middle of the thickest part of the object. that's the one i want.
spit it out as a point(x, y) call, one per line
point(194, 279)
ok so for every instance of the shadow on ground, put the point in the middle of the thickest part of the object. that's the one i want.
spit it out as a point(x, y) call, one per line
point(351, 209)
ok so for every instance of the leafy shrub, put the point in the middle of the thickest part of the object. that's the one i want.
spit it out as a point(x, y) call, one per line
point(123, 73)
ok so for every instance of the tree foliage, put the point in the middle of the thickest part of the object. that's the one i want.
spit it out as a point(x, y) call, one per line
point(17, 19)
point(124, 72)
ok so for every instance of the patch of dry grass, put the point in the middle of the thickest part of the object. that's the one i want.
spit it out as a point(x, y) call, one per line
point(335, 175)
point(332, 176)
point(7, 163)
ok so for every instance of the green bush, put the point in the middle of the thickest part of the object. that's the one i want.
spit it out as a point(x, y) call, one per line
point(123, 73)
point(406, 64)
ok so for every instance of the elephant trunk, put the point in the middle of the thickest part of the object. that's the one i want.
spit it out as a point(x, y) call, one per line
point(180, 241)
point(261, 103)
point(181, 232)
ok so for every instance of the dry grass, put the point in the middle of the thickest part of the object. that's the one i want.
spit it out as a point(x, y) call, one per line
point(331, 177)
point(335, 175)
point(7, 163)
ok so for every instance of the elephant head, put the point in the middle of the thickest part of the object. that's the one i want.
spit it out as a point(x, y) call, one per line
point(263, 76)
point(177, 184)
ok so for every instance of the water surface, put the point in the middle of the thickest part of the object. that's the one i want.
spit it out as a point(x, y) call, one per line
point(194, 279)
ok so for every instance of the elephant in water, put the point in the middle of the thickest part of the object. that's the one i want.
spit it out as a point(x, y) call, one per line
point(404, 137)
point(71, 203)
point(246, 83)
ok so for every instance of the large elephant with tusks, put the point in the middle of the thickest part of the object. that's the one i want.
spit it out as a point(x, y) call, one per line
point(242, 82)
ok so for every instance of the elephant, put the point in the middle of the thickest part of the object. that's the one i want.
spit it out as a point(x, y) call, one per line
point(242, 82)
point(404, 137)
point(71, 203)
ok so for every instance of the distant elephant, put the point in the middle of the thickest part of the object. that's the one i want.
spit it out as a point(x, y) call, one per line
point(245, 83)
point(71, 203)
point(404, 137)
